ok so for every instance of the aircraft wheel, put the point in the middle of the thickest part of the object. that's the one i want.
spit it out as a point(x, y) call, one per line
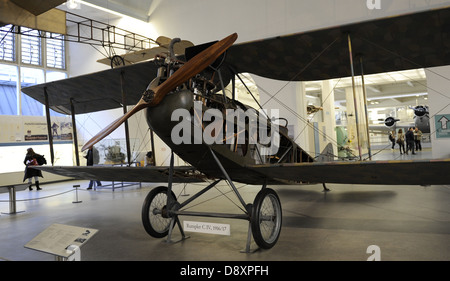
point(117, 61)
point(266, 218)
point(154, 212)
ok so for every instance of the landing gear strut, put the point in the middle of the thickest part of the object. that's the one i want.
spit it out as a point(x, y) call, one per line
point(160, 212)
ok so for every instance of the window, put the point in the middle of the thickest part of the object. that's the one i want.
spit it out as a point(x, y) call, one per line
point(31, 46)
point(53, 76)
point(30, 77)
point(8, 89)
point(34, 57)
point(7, 44)
point(29, 57)
point(55, 51)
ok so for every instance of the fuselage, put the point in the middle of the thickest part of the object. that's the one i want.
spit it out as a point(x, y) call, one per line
point(235, 149)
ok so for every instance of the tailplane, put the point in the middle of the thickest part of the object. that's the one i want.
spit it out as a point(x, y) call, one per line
point(327, 154)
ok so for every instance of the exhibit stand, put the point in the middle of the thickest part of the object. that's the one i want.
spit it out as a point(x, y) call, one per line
point(76, 194)
point(11, 189)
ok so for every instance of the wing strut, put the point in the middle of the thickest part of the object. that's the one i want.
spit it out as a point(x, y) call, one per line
point(366, 115)
point(74, 132)
point(228, 178)
point(49, 126)
point(354, 95)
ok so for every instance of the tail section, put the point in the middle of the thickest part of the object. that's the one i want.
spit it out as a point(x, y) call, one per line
point(327, 154)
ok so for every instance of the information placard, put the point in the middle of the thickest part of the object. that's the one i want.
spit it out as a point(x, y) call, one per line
point(57, 238)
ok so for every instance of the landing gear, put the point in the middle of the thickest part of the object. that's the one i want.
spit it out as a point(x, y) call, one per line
point(117, 61)
point(161, 210)
point(154, 212)
point(266, 218)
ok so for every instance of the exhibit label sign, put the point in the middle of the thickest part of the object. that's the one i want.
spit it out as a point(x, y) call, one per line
point(442, 126)
point(207, 227)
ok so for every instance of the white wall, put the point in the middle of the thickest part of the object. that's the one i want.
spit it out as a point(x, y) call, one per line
point(439, 101)
point(288, 98)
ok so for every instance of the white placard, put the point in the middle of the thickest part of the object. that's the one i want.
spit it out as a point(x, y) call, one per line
point(207, 227)
point(57, 238)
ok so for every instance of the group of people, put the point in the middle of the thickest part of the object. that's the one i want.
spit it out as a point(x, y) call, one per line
point(412, 137)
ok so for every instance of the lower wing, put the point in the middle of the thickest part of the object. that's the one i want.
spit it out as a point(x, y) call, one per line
point(181, 174)
point(417, 172)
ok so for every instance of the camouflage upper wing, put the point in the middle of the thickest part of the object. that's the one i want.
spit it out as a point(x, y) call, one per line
point(182, 174)
point(395, 43)
point(418, 172)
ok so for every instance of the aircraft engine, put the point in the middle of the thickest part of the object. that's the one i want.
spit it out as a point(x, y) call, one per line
point(390, 122)
point(420, 110)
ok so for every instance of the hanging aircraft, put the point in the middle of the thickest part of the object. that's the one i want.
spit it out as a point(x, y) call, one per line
point(311, 109)
point(421, 121)
point(193, 87)
point(422, 118)
point(178, 48)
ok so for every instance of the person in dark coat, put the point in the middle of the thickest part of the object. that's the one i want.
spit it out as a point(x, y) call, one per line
point(409, 136)
point(392, 138)
point(30, 161)
point(92, 158)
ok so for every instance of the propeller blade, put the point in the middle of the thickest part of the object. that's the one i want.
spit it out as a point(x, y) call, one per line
point(153, 97)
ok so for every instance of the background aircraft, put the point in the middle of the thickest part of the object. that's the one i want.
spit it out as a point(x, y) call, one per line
point(163, 47)
point(421, 121)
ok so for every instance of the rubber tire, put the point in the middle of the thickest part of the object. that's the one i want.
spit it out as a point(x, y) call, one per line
point(117, 61)
point(266, 198)
point(149, 219)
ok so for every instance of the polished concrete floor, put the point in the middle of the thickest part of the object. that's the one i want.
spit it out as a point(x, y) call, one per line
point(405, 222)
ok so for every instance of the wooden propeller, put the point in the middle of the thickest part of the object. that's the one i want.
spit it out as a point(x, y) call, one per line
point(152, 97)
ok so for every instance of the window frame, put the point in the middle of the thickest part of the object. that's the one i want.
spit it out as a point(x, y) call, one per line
point(17, 42)
point(5, 34)
point(26, 37)
point(49, 37)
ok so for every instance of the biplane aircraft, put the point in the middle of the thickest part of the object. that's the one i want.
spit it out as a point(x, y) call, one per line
point(166, 84)
point(178, 47)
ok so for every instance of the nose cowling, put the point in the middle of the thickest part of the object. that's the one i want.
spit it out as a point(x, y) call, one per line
point(390, 122)
point(159, 117)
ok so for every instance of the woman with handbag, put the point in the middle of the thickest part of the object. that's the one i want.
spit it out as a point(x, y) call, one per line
point(401, 141)
point(30, 161)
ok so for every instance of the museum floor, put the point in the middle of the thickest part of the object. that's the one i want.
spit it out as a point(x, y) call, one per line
point(405, 222)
